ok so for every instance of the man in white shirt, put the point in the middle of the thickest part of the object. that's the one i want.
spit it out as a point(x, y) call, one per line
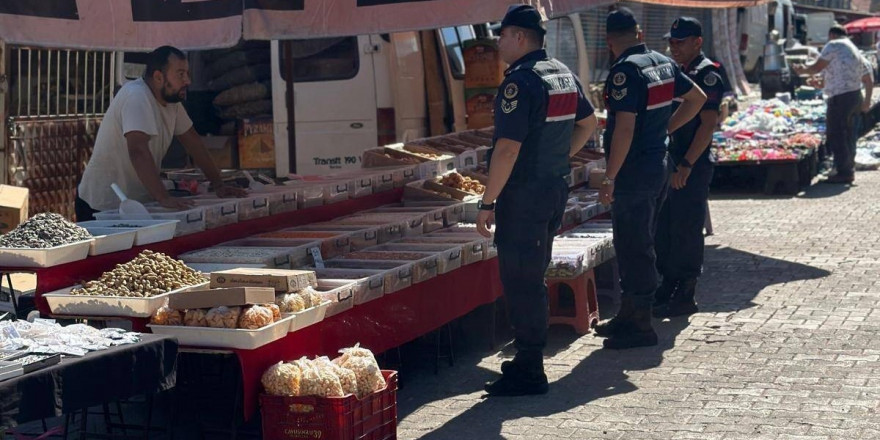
point(845, 71)
point(135, 134)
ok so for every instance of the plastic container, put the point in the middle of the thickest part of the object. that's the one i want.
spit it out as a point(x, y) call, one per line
point(385, 231)
point(207, 268)
point(275, 258)
point(340, 293)
point(448, 255)
point(432, 220)
point(48, 257)
point(254, 205)
point(146, 231)
point(218, 212)
point(189, 221)
point(367, 284)
point(360, 237)
point(425, 265)
point(297, 250)
point(397, 275)
point(332, 243)
point(109, 240)
point(307, 317)
point(332, 418)
point(473, 249)
point(226, 337)
point(280, 198)
point(61, 302)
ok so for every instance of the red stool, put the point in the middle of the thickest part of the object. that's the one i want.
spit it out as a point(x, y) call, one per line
point(585, 313)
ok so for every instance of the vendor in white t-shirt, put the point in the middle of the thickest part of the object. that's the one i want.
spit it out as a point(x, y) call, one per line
point(135, 134)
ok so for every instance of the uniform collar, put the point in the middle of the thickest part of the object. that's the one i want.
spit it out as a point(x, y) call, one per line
point(534, 55)
point(638, 48)
point(696, 62)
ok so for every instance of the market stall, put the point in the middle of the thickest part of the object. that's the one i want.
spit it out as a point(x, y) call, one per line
point(774, 142)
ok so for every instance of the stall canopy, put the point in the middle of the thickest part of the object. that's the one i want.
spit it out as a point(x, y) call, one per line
point(204, 24)
point(870, 24)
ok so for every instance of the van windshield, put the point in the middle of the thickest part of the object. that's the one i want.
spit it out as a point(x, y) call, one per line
point(453, 41)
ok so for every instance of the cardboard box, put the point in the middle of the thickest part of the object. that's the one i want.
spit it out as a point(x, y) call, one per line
point(256, 143)
point(235, 296)
point(223, 150)
point(282, 280)
point(596, 176)
point(483, 66)
point(480, 105)
point(13, 207)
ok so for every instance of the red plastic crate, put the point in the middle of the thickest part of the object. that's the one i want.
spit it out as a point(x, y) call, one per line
point(332, 418)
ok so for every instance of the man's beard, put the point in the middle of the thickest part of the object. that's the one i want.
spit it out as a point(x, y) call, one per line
point(173, 98)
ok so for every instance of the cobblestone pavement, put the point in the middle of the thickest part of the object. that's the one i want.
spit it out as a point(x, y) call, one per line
point(786, 345)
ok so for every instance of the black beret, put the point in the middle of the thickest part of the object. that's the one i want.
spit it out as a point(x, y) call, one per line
point(524, 16)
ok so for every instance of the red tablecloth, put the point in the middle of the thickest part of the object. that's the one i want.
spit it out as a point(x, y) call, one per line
point(379, 325)
point(64, 275)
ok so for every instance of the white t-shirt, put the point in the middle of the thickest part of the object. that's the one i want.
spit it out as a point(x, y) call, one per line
point(134, 108)
point(845, 69)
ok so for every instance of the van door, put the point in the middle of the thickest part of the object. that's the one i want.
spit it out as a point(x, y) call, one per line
point(334, 102)
point(452, 44)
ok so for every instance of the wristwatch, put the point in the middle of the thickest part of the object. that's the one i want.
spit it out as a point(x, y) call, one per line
point(607, 181)
point(684, 163)
point(485, 206)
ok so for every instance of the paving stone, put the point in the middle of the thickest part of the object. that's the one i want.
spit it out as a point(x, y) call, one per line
point(785, 345)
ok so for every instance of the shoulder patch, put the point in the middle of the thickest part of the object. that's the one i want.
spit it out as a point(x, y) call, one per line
point(619, 79)
point(710, 80)
point(508, 107)
point(618, 94)
point(511, 90)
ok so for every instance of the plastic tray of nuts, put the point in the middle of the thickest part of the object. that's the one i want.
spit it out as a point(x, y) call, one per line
point(61, 302)
point(47, 257)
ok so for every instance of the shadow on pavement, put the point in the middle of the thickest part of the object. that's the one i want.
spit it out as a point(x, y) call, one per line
point(732, 278)
point(732, 281)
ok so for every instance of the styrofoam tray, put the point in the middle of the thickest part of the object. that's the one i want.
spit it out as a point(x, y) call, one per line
point(48, 257)
point(147, 231)
point(109, 240)
point(61, 302)
point(226, 337)
point(308, 316)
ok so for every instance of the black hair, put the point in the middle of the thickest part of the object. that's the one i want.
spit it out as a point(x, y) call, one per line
point(630, 32)
point(157, 60)
point(838, 30)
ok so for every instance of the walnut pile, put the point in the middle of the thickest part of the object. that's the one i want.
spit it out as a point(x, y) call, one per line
point(149, 274)
point(463, 183)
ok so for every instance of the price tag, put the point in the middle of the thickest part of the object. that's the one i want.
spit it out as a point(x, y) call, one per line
point(316, 255)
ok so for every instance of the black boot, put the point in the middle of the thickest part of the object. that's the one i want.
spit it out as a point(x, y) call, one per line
point(638, 332)
point(610, 327)
point(682, 302)
point(518, 380)
point(662, 296)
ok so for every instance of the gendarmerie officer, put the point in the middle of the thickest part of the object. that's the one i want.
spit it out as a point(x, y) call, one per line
point(680, 229)
point(638, 96)
point(542, 118)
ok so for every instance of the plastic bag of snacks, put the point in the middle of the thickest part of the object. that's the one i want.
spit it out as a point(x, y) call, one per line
point(366, 369)
point(167, 316)
point(347, 378)
point(282, 379)
point(318, 380)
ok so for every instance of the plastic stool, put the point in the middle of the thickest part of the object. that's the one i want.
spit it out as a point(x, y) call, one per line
point(585, 313)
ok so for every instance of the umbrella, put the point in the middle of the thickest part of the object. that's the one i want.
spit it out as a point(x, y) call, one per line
point(869, 24)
